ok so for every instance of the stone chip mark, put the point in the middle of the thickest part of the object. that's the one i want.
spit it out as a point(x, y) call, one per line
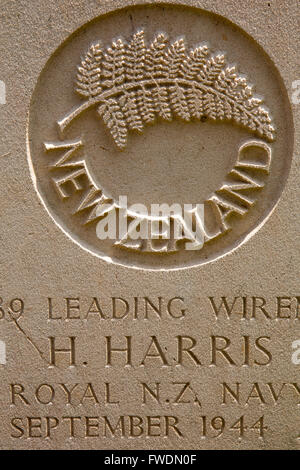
point(2, 352)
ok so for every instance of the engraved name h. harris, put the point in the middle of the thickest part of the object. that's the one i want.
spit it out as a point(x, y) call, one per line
point(126, 351)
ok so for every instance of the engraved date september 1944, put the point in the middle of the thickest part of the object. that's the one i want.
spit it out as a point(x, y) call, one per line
point(101, 401)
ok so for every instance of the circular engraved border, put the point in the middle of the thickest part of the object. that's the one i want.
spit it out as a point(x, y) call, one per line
point(110, 8)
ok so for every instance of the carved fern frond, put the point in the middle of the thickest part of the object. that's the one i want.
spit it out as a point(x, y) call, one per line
point(228, 110)
point(179, 101)
point(146, 105)
point(209, 106)
point(114, 64)
point(135, 58)
point(194, 62)
point(133, 83)
point(175, 56)
point(161, 102)
point(220, 108)
point(211, 70)
point(131, 112)
point(155, 61)
point(88, 81)
point(195, 101)
point(114, 119)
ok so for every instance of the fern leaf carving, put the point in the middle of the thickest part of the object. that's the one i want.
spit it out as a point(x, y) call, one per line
point(196, 103)
point(130, 111)
point(220, 108)
point(88, 83)
point(113, 117)
point(179, 101)
point(161, 101)
point(193, 64)
point(135, 82)
point(174, 58)
point(155, 61)
point(228, 109)
point(146, 105)
point(209, 106)
point(211, 70)
point(135, 58)
point(114, 64)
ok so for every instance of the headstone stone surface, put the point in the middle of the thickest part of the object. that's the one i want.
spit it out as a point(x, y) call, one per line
point(149, 287)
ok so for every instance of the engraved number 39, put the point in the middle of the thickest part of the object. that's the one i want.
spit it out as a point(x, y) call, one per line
point(11, 310)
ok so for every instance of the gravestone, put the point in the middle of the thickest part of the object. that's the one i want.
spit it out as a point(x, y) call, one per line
point(149, 293)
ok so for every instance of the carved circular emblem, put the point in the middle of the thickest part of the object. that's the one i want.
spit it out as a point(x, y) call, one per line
point(159, 136)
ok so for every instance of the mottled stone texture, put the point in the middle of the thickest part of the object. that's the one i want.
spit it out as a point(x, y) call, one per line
point(162, 351)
